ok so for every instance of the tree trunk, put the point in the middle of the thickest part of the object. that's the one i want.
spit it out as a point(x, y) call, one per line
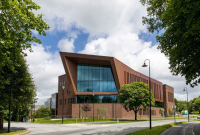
point(135, 115)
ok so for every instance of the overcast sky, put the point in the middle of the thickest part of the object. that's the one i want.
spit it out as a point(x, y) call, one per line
point(110, 28)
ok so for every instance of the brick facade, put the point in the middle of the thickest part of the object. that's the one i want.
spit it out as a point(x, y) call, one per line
point(122, 75)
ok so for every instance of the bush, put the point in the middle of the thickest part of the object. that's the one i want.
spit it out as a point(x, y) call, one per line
point(43, 112)
point(47, 118)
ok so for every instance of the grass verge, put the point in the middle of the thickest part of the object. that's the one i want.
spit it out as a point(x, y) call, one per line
point(157, 130)
point(14, 132)
point(68, 121)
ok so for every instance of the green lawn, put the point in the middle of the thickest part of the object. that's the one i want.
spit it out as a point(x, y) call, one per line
point(68, 121)
point(14, 132)
point(156, 130)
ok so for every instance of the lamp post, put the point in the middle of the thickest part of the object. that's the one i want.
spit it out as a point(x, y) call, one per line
point(185, 89)
point(63, 102)
point(144, 65)
point(174, 107)
point(193, 109)
point(93, 107)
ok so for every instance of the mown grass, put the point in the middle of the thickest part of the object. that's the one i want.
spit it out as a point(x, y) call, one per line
point(68, 121)
point(14, 132)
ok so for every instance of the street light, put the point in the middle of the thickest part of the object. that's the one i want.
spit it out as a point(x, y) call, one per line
point(93, 107)
point(63, 102)
point(185, 89)
point(144, 65)
point(174, 107)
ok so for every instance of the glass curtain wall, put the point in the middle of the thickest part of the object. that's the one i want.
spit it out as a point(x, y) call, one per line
point(97, 99)
point(95, 78)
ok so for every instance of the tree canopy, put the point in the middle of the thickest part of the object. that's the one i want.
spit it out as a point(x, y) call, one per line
point(135, 96)
point(180, 42)
point(17, 22)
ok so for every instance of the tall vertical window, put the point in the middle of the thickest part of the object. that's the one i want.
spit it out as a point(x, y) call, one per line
point(64, 82)
point(140, 79)
point(124, 77)
point(135, 78)
point(60, 83)
point(95, 78)
point(127, 78)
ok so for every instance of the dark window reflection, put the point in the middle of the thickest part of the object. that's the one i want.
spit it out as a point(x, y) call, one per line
point(95, 78)
point(98, 99)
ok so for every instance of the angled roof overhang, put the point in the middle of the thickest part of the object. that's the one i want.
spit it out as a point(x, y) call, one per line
point(70, 61)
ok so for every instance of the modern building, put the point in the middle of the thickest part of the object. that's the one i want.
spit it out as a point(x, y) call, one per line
point(48, 103)
point(97, 79)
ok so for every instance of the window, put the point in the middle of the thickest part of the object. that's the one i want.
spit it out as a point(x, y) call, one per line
point(170, 97)
point(64, 82)
point(60, 83)
point(59, 93)
point(124, 77)
point(61, 102)
point(160, 91)
point(135, 78)
point(68, 100)
point(127, 78)
point(69, 91)
point(98, 99)
point(65, 101)
point(95, 78)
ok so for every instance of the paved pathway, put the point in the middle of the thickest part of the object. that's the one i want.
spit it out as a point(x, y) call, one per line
point(184, 129)
point(84, 129)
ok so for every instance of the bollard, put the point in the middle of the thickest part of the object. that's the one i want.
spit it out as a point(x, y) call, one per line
point(76, 120)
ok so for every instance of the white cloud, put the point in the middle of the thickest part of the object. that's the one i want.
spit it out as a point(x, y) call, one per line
point(66, 45)
point(98, 18)
point(45, 67)
point(113, 27)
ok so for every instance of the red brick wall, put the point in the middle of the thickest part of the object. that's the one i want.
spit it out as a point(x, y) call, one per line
point(113, 111)
point(168, 104)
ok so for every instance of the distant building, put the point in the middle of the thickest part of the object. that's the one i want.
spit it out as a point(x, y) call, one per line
point(34, 109)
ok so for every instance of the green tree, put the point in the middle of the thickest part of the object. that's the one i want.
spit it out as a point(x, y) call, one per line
point(197, 104)
point(176, 103)
point(98, 112)
point(170, 112)
point(23, 90)
point(134, 96)
point(43, 112)
point(161, 112)
point(17, 21)
point(180, 41)
point(104, 112)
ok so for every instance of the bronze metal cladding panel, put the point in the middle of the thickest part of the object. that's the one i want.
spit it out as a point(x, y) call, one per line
point(125, 73)
point(70, 61)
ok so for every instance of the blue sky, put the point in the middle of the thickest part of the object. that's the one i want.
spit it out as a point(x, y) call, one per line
point(109, 28)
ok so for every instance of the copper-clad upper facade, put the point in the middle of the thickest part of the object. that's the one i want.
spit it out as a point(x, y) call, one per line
point(122, 73)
